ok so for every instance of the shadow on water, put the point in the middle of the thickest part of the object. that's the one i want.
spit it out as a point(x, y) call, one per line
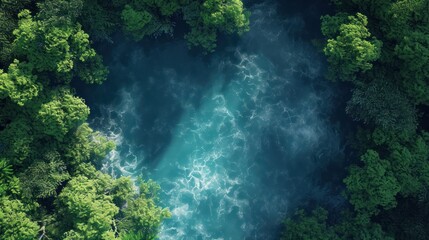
point(310, 11)
point(159, 81)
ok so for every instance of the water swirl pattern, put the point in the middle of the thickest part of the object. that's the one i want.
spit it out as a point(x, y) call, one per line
point(235, 139)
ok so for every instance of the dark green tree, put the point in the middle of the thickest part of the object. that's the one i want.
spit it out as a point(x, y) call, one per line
point(42, 178)
point(312, 226)
point(373, 186)
point(384, 105)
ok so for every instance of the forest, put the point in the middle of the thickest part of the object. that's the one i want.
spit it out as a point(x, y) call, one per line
point(380, 49)
point(50, 187)
point(51, 182)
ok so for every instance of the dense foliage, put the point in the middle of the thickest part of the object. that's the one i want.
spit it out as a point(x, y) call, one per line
point(149, 18)
point(49, 186)
point(381, 48)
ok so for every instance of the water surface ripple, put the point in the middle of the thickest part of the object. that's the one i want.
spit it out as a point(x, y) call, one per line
point(235, 140)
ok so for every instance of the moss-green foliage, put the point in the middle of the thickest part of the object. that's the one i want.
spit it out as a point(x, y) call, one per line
point(84, 145)
point(60, 12)
point(144, 18)
point(413, 51)
point(19, 84)
point(409, 159)
point(316, 226)
point(148, 17)
point(16, 139)
point(88, 209)
point(42, 178)
point(228, 16)
point(403, 28)
point(142, 215)
point(92, 71)
point(206, 19)
point(409, 219)
point(91, 200)
point(61, 112)
point(59, 48)
point(101, 19)
point(388, 187)
point(381, 104)
point(313, 226)
point(350, 48)
point(15, 223)
point(7, 25)
point(50, 48)
point(373, 186)
point(138, 23)
point(6, 174)
point(8, 22)
point(132, 236)
point(49, 186)
point(216, 17)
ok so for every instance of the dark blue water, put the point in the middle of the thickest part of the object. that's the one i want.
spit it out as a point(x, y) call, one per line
point(236, 140)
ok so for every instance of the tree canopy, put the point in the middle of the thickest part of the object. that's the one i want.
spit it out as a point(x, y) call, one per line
point(49, 186)
point(381, 48)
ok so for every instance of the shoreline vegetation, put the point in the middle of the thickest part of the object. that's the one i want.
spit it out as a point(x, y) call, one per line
point(50, 187)
point(380, 48)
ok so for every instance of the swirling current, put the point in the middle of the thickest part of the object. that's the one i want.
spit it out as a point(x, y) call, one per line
point(236, 139)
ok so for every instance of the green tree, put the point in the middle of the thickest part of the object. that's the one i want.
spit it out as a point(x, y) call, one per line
point(383, 105)
point(228, 16)
point(60, 12)
point(400, 18)
point(138, 23)
point(17, 139)
point(8, 22)
point(101, 19)
point(352, 50)
point(142, 216)
point(14, 6)
point(315, 226)
point(88, 210)
point(59, 113)
point(164, 7)
point(413, 51)
point(410, 164)
point(215, 17)
point(149, 18)
point(6, 173)
point(15, 224)
point(47, 150)
point(372, 186)
point(53, 48)
point(19, 84)
point(206, 19)
point(84, 145)
point(92, 71)
point(41, 179)
point(7, 25)
point(312, 226)
point(360, 227)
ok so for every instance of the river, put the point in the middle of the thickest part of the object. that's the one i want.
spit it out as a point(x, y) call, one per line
point(236, 139)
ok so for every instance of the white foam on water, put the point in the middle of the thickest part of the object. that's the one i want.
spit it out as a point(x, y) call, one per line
point(238, 157)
